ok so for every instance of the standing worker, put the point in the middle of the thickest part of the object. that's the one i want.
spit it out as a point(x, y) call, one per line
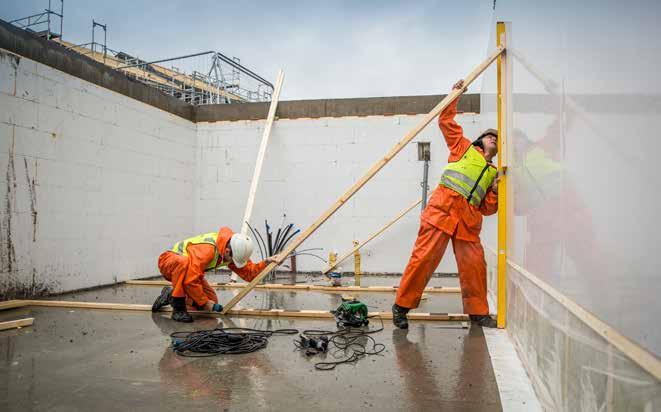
point(468, 190)
point(185, 264)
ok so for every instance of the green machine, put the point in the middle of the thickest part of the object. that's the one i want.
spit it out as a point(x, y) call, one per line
point(352, 313)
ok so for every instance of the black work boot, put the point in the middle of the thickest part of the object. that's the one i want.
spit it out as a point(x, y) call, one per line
point(485, 321)
point(399, 316)
point(179, 312)
point(163, 300)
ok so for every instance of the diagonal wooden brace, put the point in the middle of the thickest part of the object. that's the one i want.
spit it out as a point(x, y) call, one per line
point(370, 173)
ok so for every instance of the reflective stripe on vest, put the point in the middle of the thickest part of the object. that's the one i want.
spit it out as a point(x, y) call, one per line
point(207, 238)
point(470, 176)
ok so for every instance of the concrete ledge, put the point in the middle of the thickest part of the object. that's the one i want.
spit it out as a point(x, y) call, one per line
point(51, 54)
point(368, 106)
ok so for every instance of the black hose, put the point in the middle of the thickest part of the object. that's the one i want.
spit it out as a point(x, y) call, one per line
point(223, 341)
point(261, 254)
point(275, 243)
point(268, 238)
point(261, 239)
point(278, 246)
point(309, 254)
point(289, 238)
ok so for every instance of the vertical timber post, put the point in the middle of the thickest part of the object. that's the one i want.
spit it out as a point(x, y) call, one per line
point(357, 273)
point(503, 109)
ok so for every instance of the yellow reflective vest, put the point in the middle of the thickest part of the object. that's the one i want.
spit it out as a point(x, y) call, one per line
point(470, 176)
point(208, 238)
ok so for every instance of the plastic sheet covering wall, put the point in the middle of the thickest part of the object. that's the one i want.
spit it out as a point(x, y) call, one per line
point(584, 195)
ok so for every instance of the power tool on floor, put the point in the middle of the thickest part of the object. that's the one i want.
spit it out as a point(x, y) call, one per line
point(313, 345)
point(352, 313)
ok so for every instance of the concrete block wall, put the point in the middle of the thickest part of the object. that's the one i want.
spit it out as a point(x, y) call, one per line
point(308, 165)
point(93, 184)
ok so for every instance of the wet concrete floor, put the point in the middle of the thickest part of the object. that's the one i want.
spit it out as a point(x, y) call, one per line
point(81, 360)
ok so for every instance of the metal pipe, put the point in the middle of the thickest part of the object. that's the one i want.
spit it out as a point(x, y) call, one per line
point(425, 186)
point(28, 18)
point(244, 69)
point(48, 11)
point(165, 60)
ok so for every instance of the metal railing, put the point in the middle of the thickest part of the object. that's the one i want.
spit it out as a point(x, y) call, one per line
point(40, 19)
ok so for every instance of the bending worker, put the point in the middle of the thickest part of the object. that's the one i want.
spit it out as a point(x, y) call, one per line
point(185, 264)
point(467, 191)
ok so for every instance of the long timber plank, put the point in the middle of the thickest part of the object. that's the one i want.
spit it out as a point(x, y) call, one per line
point(279, 313)
point(302, 287)
point(19, 323)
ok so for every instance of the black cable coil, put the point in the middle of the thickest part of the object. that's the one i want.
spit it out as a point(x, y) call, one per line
point(223, 341)
point(349, 342)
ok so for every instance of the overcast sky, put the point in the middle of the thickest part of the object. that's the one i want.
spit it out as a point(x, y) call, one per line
point(327, 49)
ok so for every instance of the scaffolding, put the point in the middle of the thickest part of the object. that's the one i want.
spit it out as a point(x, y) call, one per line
point(41, 23)
point(201, 78)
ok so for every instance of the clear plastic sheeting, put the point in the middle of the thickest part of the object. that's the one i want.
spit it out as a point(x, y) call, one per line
point(570, 365)
point(584, 197)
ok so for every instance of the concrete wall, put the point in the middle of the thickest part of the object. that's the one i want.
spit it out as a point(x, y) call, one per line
point(586, 107)
point(308, 165)
point(93, 184)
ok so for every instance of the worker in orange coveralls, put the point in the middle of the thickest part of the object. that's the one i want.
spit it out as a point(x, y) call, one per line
point(185, 264)
point(468, 190)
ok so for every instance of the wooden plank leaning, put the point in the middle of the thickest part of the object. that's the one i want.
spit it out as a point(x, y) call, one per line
point(260, 157)
point(370, 173)
point(377, 233)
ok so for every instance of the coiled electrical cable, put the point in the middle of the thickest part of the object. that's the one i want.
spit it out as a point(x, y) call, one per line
point(223, 341)
point(349, 342)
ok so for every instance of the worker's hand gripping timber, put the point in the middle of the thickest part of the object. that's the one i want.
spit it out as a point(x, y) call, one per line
point(352, 313)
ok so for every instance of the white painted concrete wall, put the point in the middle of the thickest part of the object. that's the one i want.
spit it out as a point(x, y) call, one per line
point(308, 165)
point(113, 182)
point(93, 184)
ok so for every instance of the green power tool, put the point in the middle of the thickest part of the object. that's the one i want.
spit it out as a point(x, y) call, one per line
point(351, 313)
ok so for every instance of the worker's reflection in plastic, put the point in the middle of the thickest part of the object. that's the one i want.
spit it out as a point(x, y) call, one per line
point(201, 380)
point(558, 222)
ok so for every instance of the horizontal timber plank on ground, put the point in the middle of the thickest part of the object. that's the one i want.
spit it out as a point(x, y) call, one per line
point(281, 313)
point(301, 287)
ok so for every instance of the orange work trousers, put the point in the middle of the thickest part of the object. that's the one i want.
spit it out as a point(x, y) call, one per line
point(427, 254)
point(173, 267)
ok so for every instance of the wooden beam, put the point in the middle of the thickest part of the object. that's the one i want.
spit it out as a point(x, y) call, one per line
point(642, 357)
point(362, 181)
point(302, 287)
point(239, 312)
point(377, 233)
point(262, 153)
point(13, 324)
point(260, 158)
point(11, 304)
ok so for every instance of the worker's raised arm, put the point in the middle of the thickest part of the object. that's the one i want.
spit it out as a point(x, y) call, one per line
point(453, 133)
point(249, 271)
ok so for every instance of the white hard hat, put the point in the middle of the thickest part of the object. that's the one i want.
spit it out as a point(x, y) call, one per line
point(241, 249)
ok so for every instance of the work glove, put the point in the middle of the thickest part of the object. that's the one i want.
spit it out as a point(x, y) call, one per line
point(217, 307)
